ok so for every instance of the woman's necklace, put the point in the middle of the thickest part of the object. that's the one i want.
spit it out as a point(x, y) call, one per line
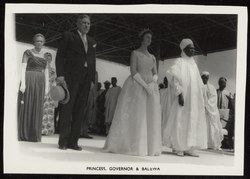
point(38, 53)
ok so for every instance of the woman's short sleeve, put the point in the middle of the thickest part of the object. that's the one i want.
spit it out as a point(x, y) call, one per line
point(26, 56)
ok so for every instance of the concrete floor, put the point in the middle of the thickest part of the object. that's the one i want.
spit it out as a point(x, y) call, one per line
point(45, 157)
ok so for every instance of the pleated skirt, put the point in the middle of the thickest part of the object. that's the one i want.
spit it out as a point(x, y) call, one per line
point(30, 107)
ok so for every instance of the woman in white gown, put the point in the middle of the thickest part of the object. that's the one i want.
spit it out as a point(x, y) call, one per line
point(136, 126)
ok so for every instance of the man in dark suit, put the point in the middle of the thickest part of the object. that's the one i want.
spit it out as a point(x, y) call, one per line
point(76, 65)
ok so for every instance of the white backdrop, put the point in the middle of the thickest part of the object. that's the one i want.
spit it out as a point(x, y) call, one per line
point(217, 64)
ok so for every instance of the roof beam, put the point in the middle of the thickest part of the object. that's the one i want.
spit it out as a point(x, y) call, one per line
point(220, 24)
point(191, 30)
point(113, 49)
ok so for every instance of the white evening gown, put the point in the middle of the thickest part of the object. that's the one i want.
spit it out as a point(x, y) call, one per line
point(136, 126)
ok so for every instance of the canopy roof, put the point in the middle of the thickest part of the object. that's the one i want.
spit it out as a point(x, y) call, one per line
point(117, 34)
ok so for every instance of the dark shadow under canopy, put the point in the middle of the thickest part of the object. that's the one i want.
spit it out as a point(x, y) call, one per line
point(117, 34)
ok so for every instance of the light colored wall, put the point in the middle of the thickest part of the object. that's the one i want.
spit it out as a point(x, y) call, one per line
point(218, 64)
point(105, 69)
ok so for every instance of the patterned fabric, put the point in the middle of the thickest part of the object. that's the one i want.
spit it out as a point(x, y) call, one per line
point(49, 106)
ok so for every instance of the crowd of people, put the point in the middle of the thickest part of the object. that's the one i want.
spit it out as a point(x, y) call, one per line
point(184, 113)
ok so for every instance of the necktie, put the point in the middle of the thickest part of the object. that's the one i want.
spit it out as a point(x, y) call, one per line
point(220, 100)
point(85, 44)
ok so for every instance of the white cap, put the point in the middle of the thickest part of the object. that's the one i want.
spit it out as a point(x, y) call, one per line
point(205, 73)
point(185, 42)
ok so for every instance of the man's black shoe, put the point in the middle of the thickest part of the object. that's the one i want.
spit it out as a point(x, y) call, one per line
point(75, 148)
point(63, 147)
point(87, 136)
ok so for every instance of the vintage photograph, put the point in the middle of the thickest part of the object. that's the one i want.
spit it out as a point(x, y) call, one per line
point(147, 89)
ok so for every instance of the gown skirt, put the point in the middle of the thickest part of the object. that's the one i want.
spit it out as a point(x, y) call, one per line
point(136, 126)
point(30, 107)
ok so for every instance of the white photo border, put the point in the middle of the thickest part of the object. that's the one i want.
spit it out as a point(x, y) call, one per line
point(10, 141)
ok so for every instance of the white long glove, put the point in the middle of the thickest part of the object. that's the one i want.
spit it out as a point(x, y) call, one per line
point(138, 78)
point(153, 86)
point(23, 71)
point(155, 78)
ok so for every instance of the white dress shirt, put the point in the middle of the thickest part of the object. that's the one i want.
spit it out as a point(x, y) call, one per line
point(85, 43)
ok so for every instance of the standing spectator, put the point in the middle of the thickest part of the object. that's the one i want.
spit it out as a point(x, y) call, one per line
point(99, 110)
point(226, 109)
point(215, 134)
point(110, 102)
point(89, 111)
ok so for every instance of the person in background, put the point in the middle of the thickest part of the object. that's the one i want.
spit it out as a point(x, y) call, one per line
point(100, 118)
point(165, 82)
point(230, 124)
point(226, 108)
point(89, 111)
point(49, 104)
point(110, 102)
point(96, 122)
point(75, 66)
point(223, 95)
point(186, 129)
point(33, 87)
point(161, 91)
point(92, 120)
point(161, 86)
point(215, 132)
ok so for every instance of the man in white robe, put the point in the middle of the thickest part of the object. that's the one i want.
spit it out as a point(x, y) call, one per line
point(215, 132)
point(110, 102)
point(186, 128)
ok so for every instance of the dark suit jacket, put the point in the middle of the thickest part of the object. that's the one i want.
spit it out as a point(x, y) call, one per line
point(71, 57)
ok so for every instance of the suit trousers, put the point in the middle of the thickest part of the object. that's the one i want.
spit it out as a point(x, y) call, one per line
point(71, 114)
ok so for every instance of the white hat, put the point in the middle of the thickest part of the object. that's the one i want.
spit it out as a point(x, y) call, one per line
point(205, 73)
point(185, 42)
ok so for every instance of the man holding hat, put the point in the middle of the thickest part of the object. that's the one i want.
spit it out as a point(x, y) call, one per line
point(186, 128)
point(75, 65)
